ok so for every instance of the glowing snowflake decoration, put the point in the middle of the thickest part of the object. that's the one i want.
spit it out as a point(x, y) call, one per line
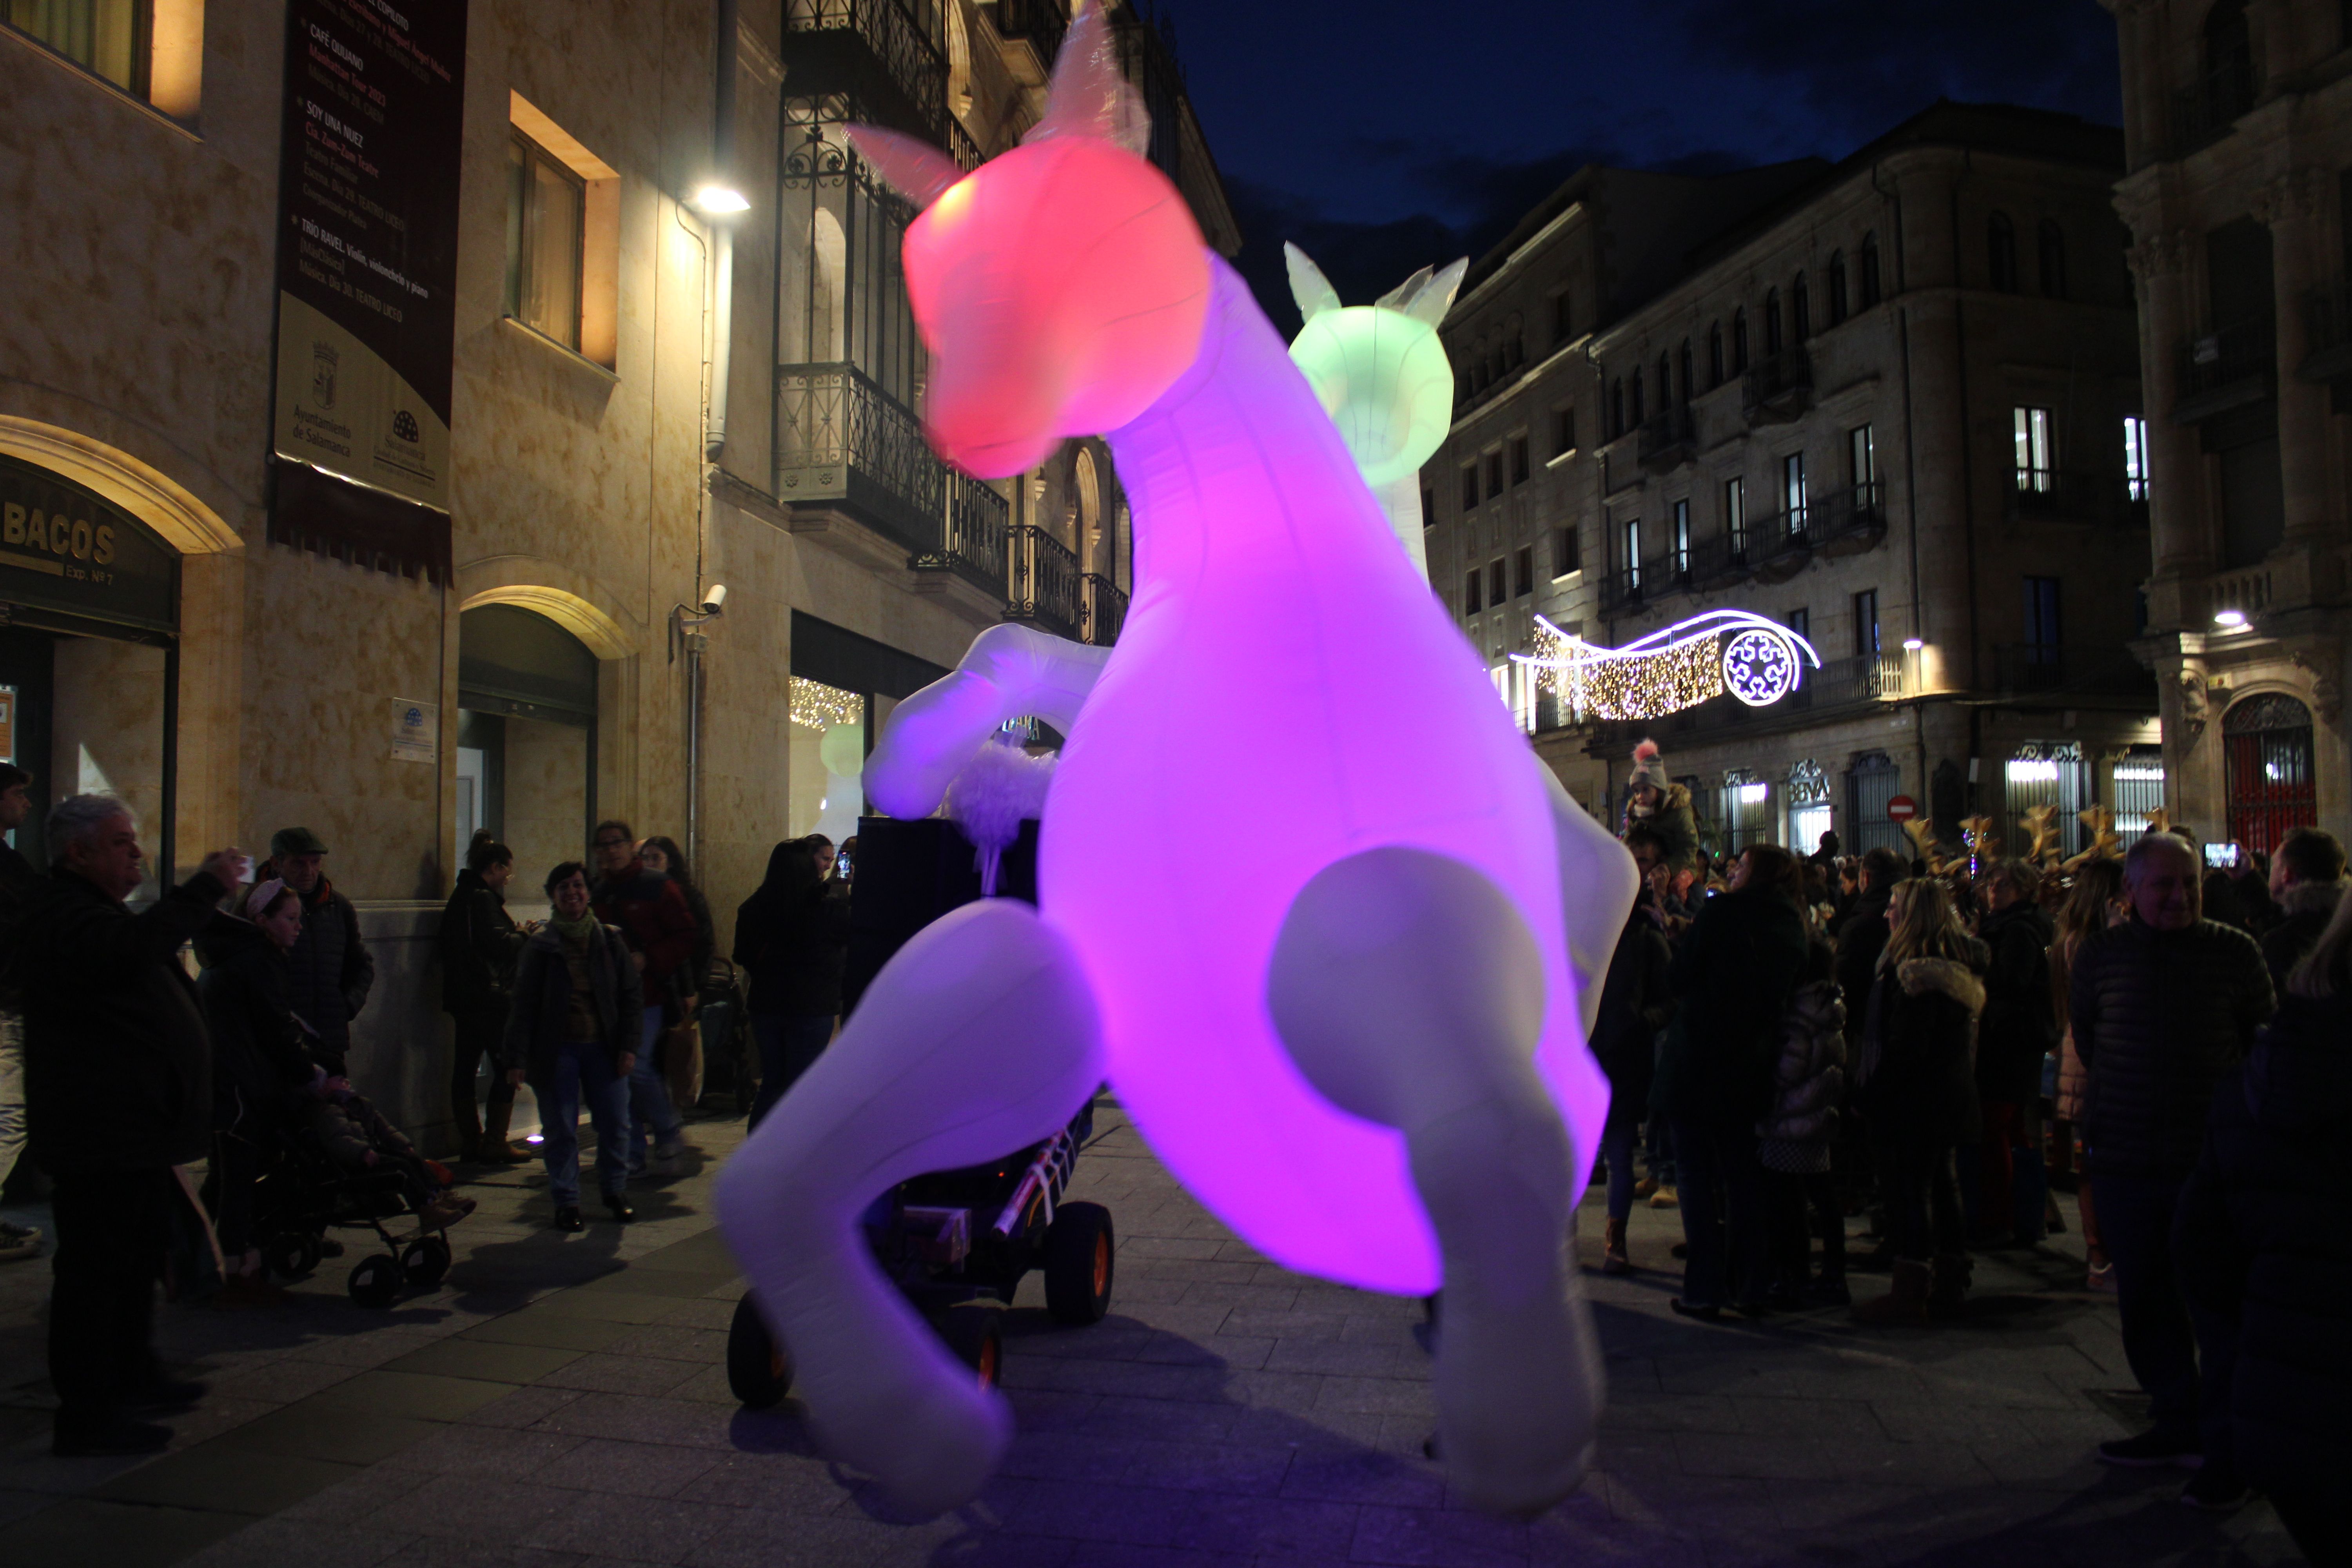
point(1759, 667)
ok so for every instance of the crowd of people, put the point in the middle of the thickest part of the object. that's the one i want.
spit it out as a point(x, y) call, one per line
point(1799, 1042)
point(121, 1070)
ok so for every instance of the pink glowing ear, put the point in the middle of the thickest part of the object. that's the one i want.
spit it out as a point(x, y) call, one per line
point(1088, 96)
point(916, 170)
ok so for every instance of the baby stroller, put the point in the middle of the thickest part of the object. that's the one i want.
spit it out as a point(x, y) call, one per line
point(957, 1243)
point(303, 1193)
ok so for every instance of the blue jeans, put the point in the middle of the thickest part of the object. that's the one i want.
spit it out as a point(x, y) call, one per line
point(648, 1099)
point(1617, 1154)
point(2163, 1339)
point(583, 1075)
point(788, 1047)
point(1722, 1194)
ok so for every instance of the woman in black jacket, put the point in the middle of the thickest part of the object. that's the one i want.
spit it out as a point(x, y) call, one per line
point(790, 938)
point(479, 945)
point(2264, 1250)
point(259, 1065)
point(1916, 1087)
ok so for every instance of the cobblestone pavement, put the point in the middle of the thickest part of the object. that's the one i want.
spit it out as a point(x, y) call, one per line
point(560, 1402)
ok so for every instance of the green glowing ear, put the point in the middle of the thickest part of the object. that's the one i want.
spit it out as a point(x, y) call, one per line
point(1308, 285)
point(1424, 296)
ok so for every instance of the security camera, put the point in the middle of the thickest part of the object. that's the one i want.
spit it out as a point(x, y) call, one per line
point(714, 601)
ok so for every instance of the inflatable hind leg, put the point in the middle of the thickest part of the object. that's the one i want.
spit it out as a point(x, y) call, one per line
point(1410, 992)
point(978, 1038)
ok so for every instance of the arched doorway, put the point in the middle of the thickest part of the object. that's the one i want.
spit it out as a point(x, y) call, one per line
point(2267, 769)
point(526, 739)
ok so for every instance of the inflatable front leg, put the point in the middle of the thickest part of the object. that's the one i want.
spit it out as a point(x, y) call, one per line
point(1400, 499)
point(980, 1037)
point(1009, 672)
point(1410, 992)
point(1599, 883)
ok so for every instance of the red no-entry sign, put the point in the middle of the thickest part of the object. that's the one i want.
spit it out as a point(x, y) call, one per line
point(1902, 808)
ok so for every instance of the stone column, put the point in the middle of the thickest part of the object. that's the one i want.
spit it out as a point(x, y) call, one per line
point(2181, 531)
point(2291, 206)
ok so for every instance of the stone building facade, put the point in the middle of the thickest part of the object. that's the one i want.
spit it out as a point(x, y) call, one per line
point(2238, 134)
point(1884, 405)
point(622, 437)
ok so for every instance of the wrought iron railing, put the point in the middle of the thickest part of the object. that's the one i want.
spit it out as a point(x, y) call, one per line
point(1040, 22)
point(1777, 387)
point(2223, 362)
point(904, 41)
point(1044, 586)
point(840, 437)
point(2068, 495)
point(1102, 609)
point(1666, 438)
point(2023, 668)
point(1863, 678)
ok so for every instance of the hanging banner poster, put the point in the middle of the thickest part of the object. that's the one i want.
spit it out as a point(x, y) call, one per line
point(367, 271)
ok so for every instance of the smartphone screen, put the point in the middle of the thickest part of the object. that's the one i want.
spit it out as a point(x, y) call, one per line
point(2223, 856)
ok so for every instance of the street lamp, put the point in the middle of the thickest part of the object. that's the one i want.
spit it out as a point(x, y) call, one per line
point(2230, 620)
point(716, 200)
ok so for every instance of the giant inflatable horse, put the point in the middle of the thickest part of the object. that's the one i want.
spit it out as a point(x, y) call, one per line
point(1360, 1043)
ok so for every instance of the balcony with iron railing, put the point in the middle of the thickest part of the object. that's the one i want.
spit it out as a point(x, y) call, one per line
point(1102, 609)
point(1044, 588)
point(2328, 332)
point(2055, 669)
point(893, 56)
point(841, 439)
point(1778, 388)
point(2065, 495)
point(1040, 23)
point(2226, 368)
point(1666, 439)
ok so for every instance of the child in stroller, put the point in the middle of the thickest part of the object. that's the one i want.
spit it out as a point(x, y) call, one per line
point(355, 1136)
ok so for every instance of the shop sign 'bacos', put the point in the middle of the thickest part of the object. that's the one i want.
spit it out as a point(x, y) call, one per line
point(63, 548)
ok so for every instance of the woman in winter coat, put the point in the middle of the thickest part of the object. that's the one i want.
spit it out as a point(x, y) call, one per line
point(791, 937)
point(1636, 1000)
point(661, 854)
point(259, 1064)
point(479, 946)
point(2264, 1247)
point(1918, 1089)
point(2093, 903)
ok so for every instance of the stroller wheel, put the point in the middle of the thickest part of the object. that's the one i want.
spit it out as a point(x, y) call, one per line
point(759, 1370)
point(1080, 1254)
point(291, 1256)
point(426, 1261)
point(375, 1280)
point(973, 1331)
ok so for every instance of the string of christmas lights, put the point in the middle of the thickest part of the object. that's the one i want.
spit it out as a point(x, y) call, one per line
point(1679, 667)
point(821, 707)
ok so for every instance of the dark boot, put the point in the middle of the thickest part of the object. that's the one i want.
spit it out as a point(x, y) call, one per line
point(1613, 1250)
point(1903, 1306)
point(1950, 1281)
point(493, 1148)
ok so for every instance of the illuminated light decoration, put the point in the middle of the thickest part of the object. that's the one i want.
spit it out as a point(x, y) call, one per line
point(817, 706)
point(1381, 374)
point(2230, 620)
point(2031, 770)
point(1145, 961)
point(1681, 666)
point(1753, 792)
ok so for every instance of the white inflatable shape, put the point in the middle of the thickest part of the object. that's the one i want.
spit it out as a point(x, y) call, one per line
point(1381, 374)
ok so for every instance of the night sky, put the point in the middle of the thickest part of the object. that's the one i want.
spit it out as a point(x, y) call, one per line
point(1381, 135)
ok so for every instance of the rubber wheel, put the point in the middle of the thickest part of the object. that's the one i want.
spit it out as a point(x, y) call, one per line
point(376, 1280)
point(292, 1256)
point(426, 1261)
point(1081, 1255)
point(759, 1370)
point(974, 1331)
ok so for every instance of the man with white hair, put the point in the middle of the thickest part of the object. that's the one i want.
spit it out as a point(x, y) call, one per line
point(118, 1089)
point(2162, 1006)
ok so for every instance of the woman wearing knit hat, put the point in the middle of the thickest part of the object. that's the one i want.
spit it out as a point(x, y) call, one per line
point(1665, 806)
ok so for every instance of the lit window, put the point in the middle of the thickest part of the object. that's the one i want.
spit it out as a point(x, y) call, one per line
point(1861, 458)
point(2033, 431)
point(546, 211)
point(1633, 552)
point(1753, 793)
point(107, 38)
point(1734, 511)
point(2135, 458)
point(1792, 489)
point(1682, 536)
point(1866, 623)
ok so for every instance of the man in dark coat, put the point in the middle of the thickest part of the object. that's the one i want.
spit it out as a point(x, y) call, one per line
point(2162, 1006)
point(331, 972)
point(1732, 978)
point(2308, 881)
point(118, 1079)
point(1862, 937)
point(2018, 1031)
point(2264, 1249)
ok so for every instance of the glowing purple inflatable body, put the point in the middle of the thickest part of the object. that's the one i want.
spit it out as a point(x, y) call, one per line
point(1274, 622)
point(1354, 1031)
